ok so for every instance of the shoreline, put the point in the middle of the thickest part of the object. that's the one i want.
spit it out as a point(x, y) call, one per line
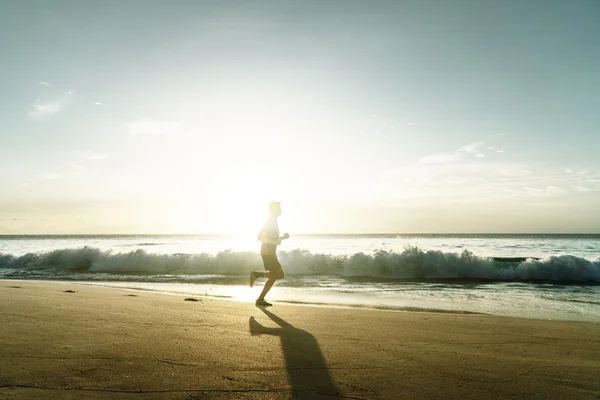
point(97, 343)
point(365, 307)
point(244, 295)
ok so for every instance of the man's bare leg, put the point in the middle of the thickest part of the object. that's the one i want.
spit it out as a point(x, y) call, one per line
point(268, 285)
point(254, 275)
point(272, 277)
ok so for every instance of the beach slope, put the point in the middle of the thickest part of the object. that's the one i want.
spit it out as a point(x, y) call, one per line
point(68, 341)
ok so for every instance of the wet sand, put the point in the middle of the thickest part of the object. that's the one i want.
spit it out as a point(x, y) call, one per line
point(106, 343)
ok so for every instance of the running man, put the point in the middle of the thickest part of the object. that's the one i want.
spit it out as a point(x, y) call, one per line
point(269, 236)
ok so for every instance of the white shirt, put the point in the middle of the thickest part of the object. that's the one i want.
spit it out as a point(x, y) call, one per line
point(269, 231)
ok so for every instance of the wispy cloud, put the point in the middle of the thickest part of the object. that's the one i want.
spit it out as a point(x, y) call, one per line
point(579, 188)
point(44, 83)
point(41, 109)
point(469, 150)
point(472, 181)
point(515, 182)
point(98, 103)
point(45, 108)
point(544, 191)
point(149, 126)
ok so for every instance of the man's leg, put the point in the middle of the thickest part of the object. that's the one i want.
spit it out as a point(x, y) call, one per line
point(267, 262)
point(257, 274)
point(268, 285)
point(273, 276)
point(271, 264)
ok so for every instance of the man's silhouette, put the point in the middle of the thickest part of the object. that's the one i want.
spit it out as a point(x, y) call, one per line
point(269, 236)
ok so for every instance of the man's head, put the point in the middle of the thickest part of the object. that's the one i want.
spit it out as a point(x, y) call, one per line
point(275, 208)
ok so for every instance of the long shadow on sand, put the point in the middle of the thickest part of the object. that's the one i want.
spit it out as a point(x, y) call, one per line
point(306, 368)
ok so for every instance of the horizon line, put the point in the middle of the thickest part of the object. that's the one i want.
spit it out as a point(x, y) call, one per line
point(307, 234)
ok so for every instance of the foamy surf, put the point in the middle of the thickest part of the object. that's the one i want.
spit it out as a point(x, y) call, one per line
point(412, 264)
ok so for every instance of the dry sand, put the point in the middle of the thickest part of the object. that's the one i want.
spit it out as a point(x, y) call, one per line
point(104, 343)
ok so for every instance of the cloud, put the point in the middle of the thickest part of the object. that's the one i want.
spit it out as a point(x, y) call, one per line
point(41, 109)
point(471, 149)
point(579, 188)
point(44, 83)
point(547, 191)
point(473, 181)
point(410, 124)
point(149, 126)
point(98, 103)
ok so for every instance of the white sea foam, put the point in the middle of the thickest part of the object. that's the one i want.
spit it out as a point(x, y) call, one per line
point(411, 264)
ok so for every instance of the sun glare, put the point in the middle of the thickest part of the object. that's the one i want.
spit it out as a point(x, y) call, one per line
point(235, 206)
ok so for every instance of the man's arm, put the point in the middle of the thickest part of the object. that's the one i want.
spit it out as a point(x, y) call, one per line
point(267, 240)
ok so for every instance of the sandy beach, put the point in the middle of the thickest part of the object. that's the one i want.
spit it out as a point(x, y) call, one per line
point(73, 341)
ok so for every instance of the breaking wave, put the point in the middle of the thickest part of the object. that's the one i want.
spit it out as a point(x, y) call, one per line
point(411, 264)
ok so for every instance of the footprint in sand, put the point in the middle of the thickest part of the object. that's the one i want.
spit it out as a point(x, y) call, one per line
point(131, 295)
point(70, 291)
point(191, 299)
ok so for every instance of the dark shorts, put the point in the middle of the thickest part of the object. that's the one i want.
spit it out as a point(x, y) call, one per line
point(270, 262)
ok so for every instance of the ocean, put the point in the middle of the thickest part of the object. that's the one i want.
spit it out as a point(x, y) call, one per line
point(530, 276)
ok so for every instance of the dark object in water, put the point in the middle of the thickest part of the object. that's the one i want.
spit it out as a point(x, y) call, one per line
point(513, 259)
point(191, 299)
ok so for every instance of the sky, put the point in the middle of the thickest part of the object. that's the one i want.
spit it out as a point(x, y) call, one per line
point(457, 116)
